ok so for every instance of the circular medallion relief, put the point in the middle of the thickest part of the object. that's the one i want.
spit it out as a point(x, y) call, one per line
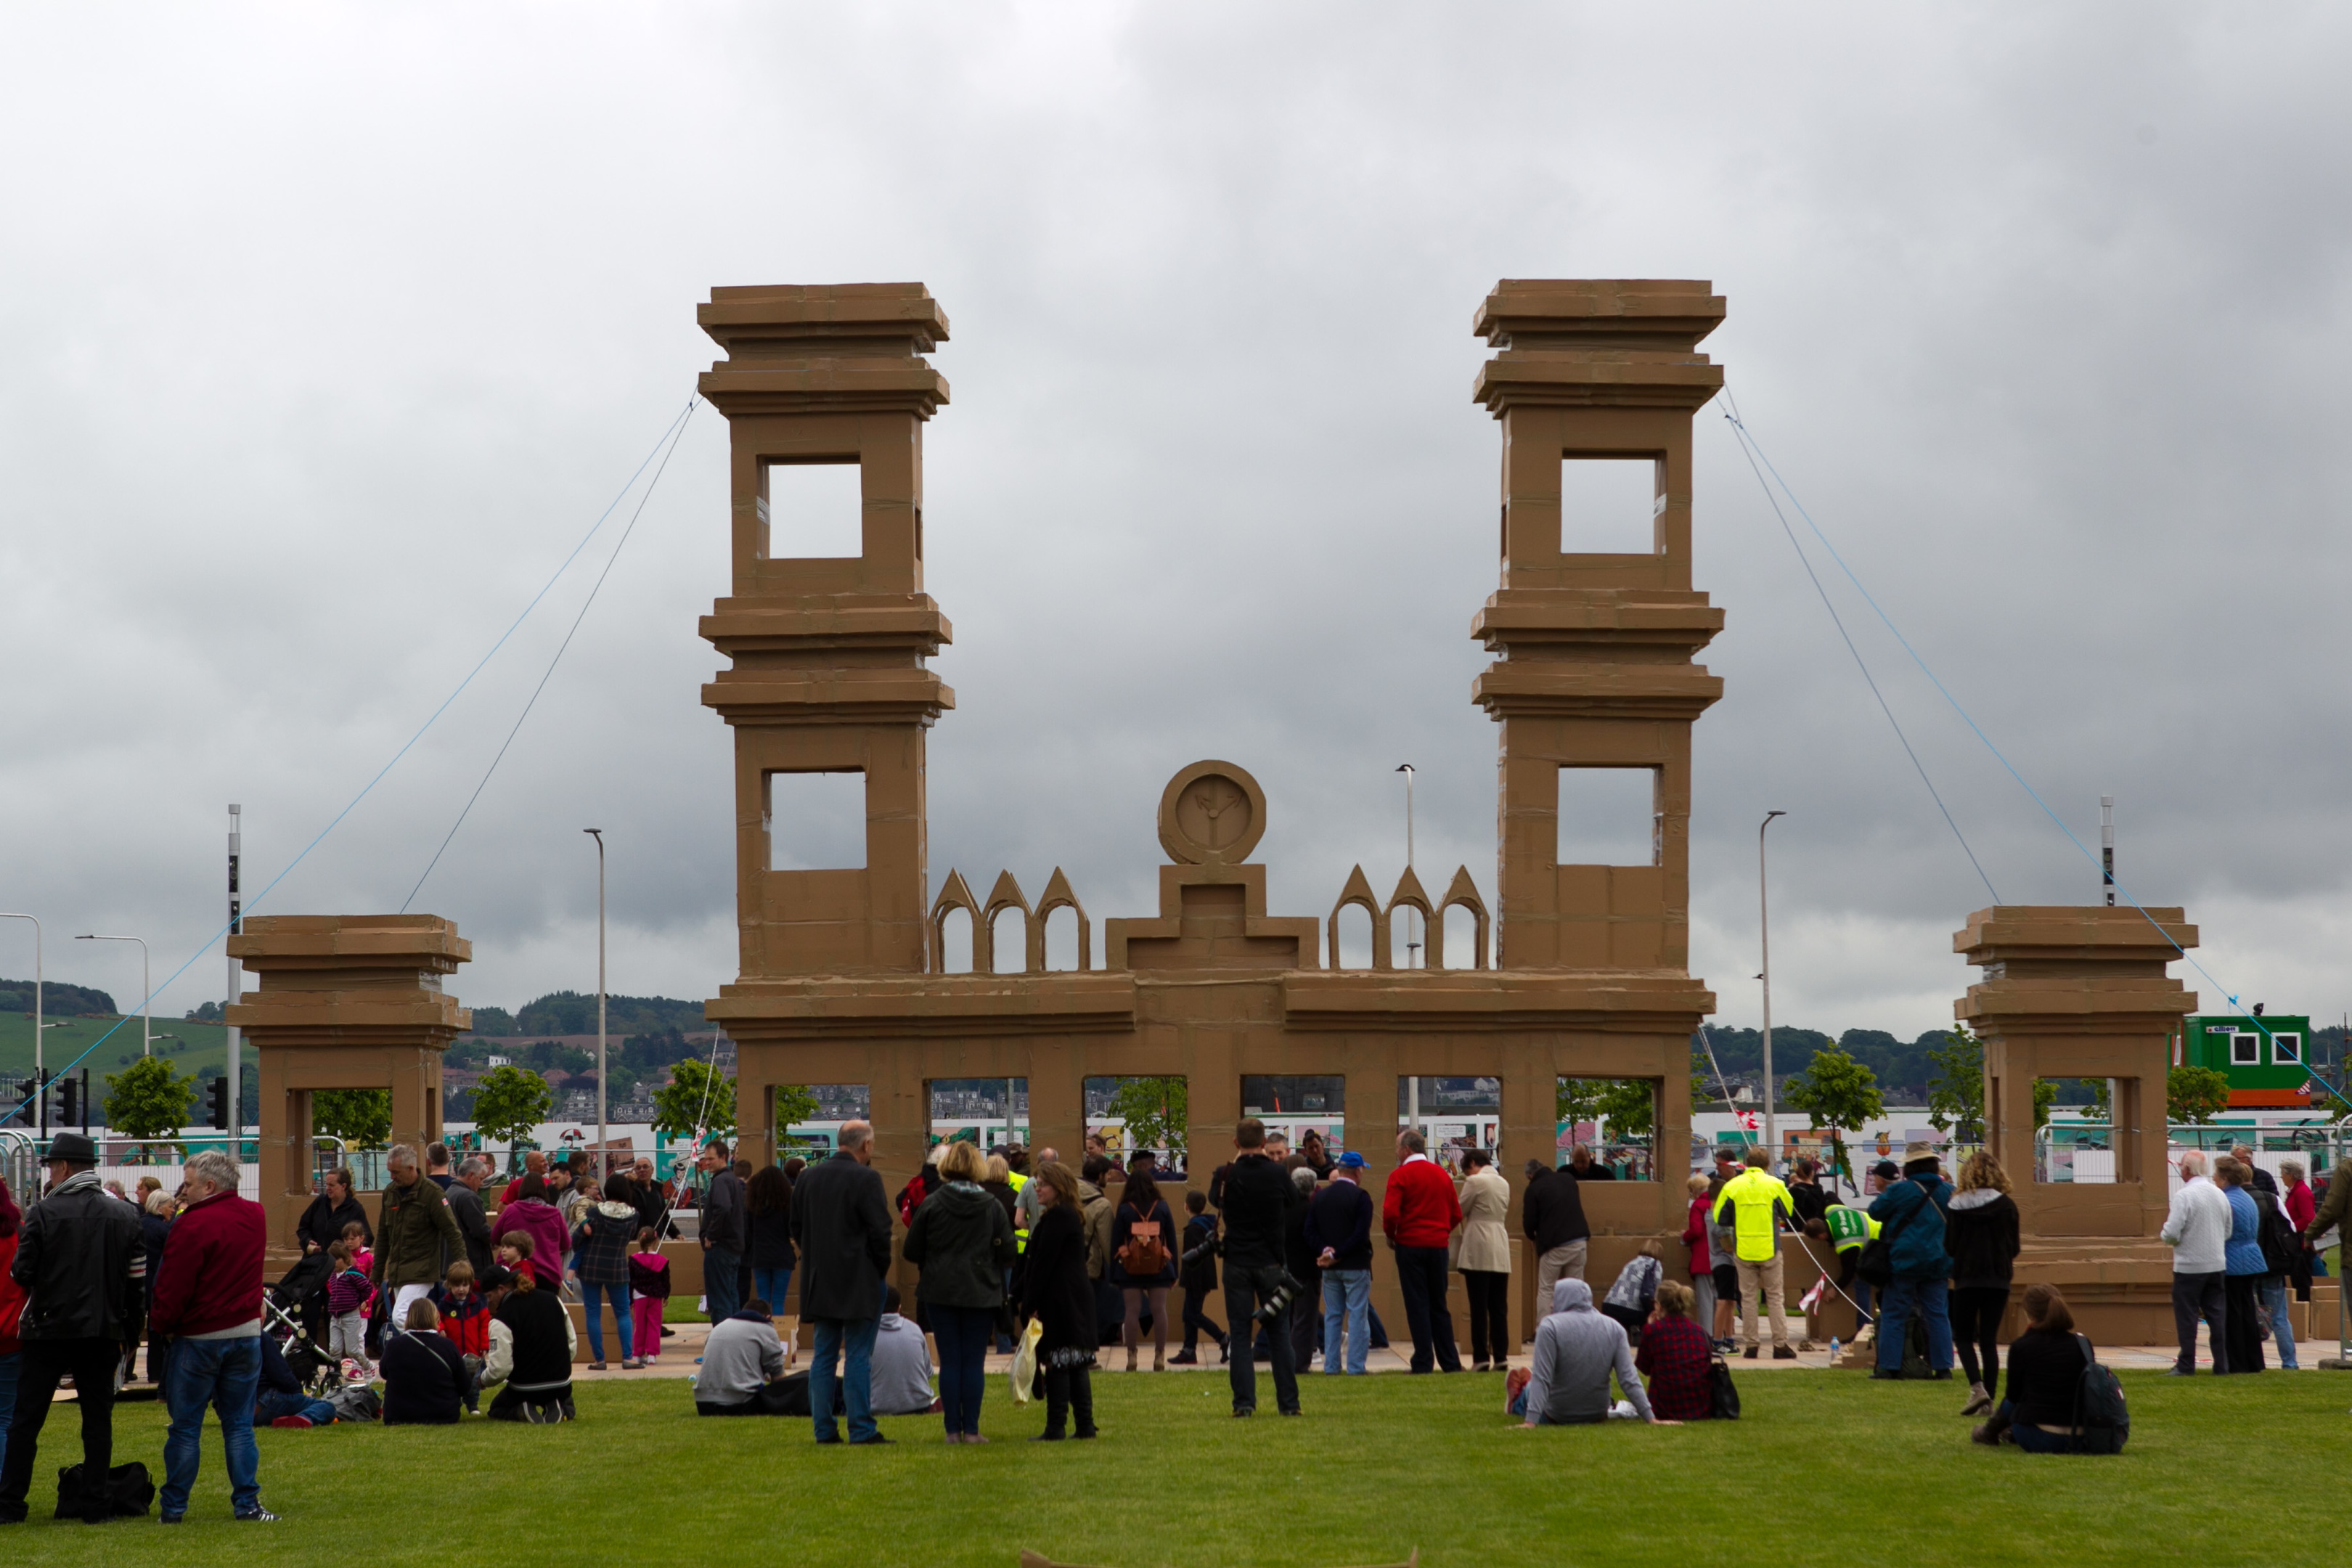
point(1212, 814)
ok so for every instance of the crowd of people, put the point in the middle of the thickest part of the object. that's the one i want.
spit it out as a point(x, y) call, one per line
point(446, 1295)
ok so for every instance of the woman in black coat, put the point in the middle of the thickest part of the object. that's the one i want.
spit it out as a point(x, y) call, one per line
point(424, 1377)
point(1056, 1291)
point(322, 1225)
point(1980, 1231)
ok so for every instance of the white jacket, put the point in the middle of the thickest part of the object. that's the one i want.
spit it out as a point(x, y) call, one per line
point(2197, 1228)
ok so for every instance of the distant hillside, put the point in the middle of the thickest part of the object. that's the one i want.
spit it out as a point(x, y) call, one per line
point(60, 1000)
point(575, 1013)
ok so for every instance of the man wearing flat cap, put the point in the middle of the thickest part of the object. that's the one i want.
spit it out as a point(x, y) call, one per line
point(80, 1265)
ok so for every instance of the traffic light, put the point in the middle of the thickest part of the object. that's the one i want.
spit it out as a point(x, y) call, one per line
point(69, 1100)
point(219, 1096)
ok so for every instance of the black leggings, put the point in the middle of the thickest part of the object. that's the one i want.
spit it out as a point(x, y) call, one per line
point(1976, 1312)
point(1069, 1391)
point(1490, 1314)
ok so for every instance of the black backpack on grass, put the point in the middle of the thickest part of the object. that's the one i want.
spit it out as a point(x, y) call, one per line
point(124, 1494)
point(1915, 1363)
point(2102, 1423)
point(1723, 1397)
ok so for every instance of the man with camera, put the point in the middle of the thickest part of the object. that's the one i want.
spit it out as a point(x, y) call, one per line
point(1259, 1198)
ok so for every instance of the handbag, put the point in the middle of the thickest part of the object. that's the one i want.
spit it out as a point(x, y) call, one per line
point(1023, 1371)
point(1877, 1264)
point(1723, 1395)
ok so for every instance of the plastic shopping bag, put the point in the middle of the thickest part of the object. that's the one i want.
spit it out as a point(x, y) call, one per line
point(1024, 1360)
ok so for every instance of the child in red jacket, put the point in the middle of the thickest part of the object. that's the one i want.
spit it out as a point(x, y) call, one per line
point(465, 1321)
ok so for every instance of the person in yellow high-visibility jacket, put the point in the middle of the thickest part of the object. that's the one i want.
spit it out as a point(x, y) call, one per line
point(1758, 1203)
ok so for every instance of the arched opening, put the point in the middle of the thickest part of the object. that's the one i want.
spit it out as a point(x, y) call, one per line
point(955, 941)
point(1461, 937)
point(1008, 933)
point(1354, 924)
point(1062, 938)
point(1408, 938)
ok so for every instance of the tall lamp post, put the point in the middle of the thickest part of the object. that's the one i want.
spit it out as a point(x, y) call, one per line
point(41, 1087)
point(1764, 929)
point(1412, 948)
point(603, 1158)
point(146, 1002)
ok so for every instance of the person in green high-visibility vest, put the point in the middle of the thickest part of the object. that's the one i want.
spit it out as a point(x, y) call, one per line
point(1757, 1204)
point(1850, 1229)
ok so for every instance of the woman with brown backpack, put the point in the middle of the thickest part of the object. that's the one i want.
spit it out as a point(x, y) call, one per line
point(1143, 1261)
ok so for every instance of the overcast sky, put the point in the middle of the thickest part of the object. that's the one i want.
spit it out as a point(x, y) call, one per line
point(325, 334)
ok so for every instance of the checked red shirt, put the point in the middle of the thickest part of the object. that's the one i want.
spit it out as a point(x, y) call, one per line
point(1674, 1356)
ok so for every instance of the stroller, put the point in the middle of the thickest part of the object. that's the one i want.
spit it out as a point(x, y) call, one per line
point(294, 1314)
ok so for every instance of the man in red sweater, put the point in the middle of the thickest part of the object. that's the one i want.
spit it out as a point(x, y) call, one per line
point(208, 1293)
point(1419, 1212)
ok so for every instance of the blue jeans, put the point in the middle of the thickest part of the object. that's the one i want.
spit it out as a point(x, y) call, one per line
point(224, 1374)
point(618, 1295)
point(2274, 1289)
point(1930, 1298)
point(10, 1365)
point(1349, 1292)
point(276, 1406)
point(2033, 1439)
point(769, 1284)
point(720, 1268)
point(851, 1342)
point(963, 1334)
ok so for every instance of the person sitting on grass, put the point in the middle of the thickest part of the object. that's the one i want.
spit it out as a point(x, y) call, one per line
point(742, 1366)
point(1576, 1349)
point(1678, 1357)
point(278, 1399)
point(424, 1378)
point(902, 1364)
point(533, 1359)
point(2046, 1377)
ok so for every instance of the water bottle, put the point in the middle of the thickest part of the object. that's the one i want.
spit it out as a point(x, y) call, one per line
point(1833, 1349)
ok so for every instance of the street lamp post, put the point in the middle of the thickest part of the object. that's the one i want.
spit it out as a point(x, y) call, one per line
point(1764, 935)
point(146, 1002)
point(602, 1156)
point(40, 1088)
point(1412, 948)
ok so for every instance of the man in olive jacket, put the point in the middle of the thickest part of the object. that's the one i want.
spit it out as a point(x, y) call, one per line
point(80, 1263)
point(413, 1232)
point(841, 1226)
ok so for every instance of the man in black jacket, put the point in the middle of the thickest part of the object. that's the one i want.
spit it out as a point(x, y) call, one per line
point(842, 1226)
point(723, 1232)
point(81, 1264)
point(1552, 1215)
point(1340, 1229)
point(1258, 1201)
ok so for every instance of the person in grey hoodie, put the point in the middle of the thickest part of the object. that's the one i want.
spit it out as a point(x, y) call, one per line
point(2197, 1230)
point(1576, 1349)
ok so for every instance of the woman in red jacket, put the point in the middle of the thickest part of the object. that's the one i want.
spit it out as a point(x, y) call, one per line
point(12, 1306)
point(1702, 1265)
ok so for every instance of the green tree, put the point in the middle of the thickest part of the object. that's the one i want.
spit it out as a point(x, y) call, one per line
point(1629, 1107)
point(362, 1118)
point(793, 1103)
point(510, 1101)
point(1580, 1099)
point(2046, 1095)
point(149, 1099)
point(696, 1101)
point(1956, 1086)
point(1839, 1093)
point(2194, 1095)
point(1156, 1111)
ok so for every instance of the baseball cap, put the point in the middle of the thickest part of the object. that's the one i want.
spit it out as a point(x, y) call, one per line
point(1350, 1161)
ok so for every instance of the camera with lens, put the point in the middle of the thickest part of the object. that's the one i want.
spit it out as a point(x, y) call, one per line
point(1212, 1248)
point(1278, 1301)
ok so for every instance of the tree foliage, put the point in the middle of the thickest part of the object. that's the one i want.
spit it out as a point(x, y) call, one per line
point(1156, 1111)
point(793, 1103)
point(149, 1098)
point(1956, 1086)
point(2195, 1095)
point(510, 1101)
point(1839, 1093)
point(362, 1118)
point(695, 1102)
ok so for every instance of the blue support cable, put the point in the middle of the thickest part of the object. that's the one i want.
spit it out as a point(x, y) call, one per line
point(668, 432)
point(1750, 443)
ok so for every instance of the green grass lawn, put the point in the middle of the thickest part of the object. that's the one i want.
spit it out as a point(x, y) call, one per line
point(1826, 1467)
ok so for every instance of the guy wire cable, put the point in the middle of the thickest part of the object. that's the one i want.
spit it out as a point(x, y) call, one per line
point(679, 435)
point(1741, 433)
point(254, 902)
point(1756, 454)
